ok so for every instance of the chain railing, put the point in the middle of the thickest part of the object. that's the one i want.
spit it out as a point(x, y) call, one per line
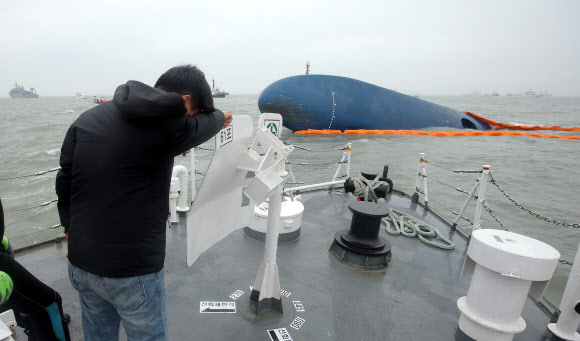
point(421, 173)
point(343, 162)
point(337, 148)
point(30, 175)
point(203, 148)
point(484, 203)
point(315, 163)
point(417, 189)
point(451, 170)
point(447, 208)
point(446, 184)
point(29, 208)
point(527, 210)
point(492, 213)
point(35, 232)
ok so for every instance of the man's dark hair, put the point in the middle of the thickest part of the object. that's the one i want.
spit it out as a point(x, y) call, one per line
point(188, 80)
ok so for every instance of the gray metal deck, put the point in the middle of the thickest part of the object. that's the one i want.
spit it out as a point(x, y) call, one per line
point(415, 299)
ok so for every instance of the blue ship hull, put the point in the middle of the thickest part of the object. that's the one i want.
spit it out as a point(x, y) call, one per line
point(340, 103)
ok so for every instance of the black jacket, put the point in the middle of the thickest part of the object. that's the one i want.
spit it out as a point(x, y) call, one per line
point(113, 188)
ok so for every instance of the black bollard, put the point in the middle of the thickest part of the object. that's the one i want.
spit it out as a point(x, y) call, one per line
point(361, 247)
point(365, 225)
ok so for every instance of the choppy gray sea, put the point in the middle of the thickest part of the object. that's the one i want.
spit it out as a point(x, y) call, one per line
point(541, 174)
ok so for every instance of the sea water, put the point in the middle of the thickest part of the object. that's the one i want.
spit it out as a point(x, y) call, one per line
point(540, 174)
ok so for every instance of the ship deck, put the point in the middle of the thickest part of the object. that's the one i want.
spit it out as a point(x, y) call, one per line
point(414, 299)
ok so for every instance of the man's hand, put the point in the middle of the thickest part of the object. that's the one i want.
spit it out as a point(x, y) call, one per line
point(229, 117)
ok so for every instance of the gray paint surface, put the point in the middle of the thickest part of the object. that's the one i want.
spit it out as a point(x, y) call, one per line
point(414, 299)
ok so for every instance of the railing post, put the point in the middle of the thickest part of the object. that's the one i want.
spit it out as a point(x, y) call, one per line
point(415, 198)
point(349, 146)
point(425, 183)
point(481, 198)
point(345, 157)
point(421, 172)
point(193, 192)
point(471, 194)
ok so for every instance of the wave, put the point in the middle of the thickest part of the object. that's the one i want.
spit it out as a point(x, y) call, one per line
point(50, 152)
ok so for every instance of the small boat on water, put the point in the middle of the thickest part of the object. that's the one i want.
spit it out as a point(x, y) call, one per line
point(216, 93)
point(80, 95)
point(99, 100)
point(19, 92)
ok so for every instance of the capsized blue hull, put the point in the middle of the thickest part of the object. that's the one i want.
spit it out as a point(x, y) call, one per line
point(340, 103)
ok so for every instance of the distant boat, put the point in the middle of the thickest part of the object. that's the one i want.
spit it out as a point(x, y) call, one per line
point(80, 96)
point(529, 93)
point(20, 92)
point(474, 93)
point(99, 100)
point(216, 93)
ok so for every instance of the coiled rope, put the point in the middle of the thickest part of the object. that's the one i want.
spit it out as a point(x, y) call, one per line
point(366, 188)
point(404, 224)
point(409, 226)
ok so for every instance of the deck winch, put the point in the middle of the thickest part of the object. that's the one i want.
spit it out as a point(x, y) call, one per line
point(361, 247)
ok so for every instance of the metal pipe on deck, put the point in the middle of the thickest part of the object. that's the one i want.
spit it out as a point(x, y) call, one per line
point(471, 194)
point(266, 289)
point(173, 195)
point(320, 185)
point(180, 172)
point(425, 181)
point(193, 193)
point(569, 317)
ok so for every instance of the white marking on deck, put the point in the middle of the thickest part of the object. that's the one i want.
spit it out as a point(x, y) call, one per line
point(297, 323)
point(298, 306)
point(280, 334)
point(236, 294)
point(217, 307)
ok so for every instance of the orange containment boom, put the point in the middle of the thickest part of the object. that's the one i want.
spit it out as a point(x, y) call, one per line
point(511, 126)
point(434, 133)
point(456, 133)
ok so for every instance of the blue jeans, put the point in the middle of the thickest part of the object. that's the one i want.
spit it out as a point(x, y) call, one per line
point(139, 302)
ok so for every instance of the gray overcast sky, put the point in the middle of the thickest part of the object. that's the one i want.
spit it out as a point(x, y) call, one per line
point(439, 47)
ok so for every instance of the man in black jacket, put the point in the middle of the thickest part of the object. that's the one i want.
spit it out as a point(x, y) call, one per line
point(113, 189)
